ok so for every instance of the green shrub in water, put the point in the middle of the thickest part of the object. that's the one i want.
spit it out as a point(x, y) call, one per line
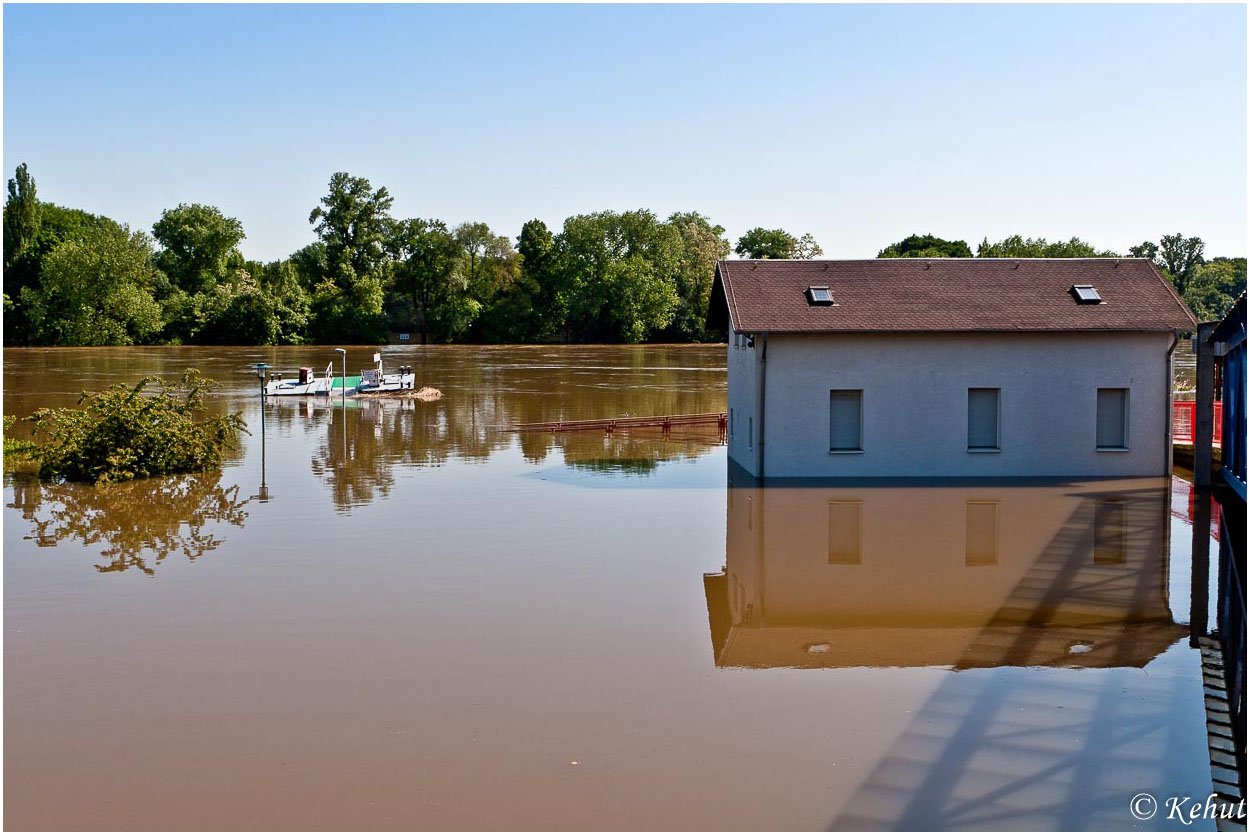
point(15, 448)
point(126, 432)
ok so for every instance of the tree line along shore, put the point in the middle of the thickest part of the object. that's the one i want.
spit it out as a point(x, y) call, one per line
point(77, 279)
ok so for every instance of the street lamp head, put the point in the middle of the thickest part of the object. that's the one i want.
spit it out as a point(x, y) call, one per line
point(340, 350)
point(260, 368)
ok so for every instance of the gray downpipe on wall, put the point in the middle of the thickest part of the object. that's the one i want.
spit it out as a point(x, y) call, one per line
point(1167, 423)
point(763, 397)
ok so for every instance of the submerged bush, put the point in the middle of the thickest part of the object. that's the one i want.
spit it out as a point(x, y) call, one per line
point(126, 432)
point(15, 448)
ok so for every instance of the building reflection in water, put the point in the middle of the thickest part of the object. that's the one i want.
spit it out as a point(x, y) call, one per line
point(1009, 588)
point(955, 575)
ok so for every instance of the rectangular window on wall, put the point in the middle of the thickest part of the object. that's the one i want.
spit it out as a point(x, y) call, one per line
point(846, 416)
point(731, 423)
point(1112, 419)
point(983, 419)
point(845, 535)
point(750, 433)
point(1110, 532)
point(981, 533)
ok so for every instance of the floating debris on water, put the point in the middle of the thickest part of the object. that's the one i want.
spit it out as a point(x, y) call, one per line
point(425, 393)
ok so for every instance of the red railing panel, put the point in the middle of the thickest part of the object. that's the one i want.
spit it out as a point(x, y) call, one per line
point(1183, 422)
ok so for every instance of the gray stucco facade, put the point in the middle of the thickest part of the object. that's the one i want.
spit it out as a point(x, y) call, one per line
point(915, 403)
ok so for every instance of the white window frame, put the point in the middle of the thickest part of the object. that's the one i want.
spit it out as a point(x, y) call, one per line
point(998, 420)
point(847, 451)
point(1123, 429)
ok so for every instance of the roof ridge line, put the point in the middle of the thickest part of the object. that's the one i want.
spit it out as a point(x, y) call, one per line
point(730, 296)
point(1172, 289)
point(937, 259)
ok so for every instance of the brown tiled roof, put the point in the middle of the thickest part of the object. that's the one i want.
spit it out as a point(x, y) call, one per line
point(946, 294)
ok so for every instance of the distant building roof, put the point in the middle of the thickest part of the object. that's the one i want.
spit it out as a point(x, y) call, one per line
point(946, 294)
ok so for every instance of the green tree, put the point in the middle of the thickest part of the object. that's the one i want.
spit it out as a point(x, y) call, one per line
point(1214, 286)
point(199, 244)
point(702, 245)
point(264, 305)
point(281, 282)
point(57, 225)
point(200, 258)
point(490, 271)
point(1181, 258)
point(21, 265)
point(926, 246)
point(354, 223)
point(620, 273)
point(312, 264)
point(520, 294)
point(1176, 256)
point(1145, 249)
point(776, 243)
point(541, 278)
point(21, 215)
point(1018, 246)
point(432, 295)
point(807, 247)
point(97, 291)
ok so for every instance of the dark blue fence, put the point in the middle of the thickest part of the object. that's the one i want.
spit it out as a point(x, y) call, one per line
point(1229, 341)
point(1231, 622)
point(1233, 450)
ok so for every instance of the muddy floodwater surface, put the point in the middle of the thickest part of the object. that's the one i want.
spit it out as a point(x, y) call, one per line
point(402, 615)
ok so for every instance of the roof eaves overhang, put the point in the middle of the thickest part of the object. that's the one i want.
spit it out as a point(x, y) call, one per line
point(929, 331)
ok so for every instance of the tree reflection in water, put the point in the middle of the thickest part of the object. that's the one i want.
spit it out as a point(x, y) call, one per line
point(364, 441)
point(138, 523)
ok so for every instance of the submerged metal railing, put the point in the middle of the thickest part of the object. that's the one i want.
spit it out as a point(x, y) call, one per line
point(720, 420)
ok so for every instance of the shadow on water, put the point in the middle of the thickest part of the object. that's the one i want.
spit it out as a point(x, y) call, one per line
point(134, 524)
point(1046, 601)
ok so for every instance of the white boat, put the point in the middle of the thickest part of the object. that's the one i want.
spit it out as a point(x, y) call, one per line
point(374, 380)
point(307, 383)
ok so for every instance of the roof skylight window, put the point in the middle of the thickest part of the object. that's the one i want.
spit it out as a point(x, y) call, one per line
point(819, 295)
point(1085, 294)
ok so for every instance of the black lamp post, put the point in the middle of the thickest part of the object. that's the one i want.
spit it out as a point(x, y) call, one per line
point(262, 373)
point(342, 352)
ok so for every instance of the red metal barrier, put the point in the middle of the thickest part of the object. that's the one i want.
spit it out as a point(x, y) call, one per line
point(1183, 422)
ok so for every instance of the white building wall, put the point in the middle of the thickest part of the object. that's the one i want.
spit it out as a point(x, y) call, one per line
point(743, 405)
point(915, 390)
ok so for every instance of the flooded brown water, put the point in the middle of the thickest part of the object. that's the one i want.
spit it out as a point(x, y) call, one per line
point(399, 615)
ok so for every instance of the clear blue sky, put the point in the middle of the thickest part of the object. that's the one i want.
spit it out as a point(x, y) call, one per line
point(860, 124)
